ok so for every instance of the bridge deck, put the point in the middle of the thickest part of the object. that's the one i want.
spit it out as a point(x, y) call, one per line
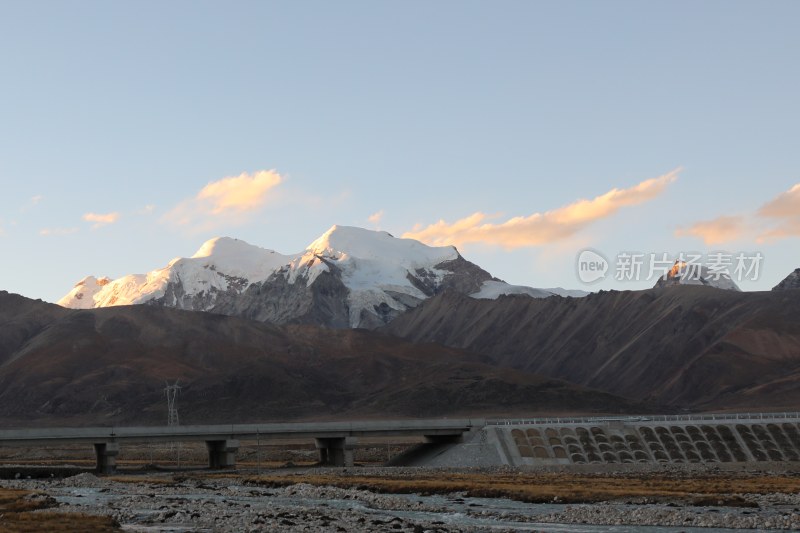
point(318, 430)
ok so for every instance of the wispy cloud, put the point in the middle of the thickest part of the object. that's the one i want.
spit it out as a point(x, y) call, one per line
point(101, 219)
point(778, 218)
point(785, 205)
point(716, 231)
point(784, 211)
point(541, 228)
point(376, 217)
point(31, 203)
point(57, 232)
point(147, 210)
point(225, 201)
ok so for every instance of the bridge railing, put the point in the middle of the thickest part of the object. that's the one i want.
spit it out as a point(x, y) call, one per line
point(644, 418)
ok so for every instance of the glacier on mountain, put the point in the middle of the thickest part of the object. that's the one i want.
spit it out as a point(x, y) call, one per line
point(349, 277)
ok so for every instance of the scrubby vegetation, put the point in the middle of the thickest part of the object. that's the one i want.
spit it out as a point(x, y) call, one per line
point(17, 515)
point(548, 487)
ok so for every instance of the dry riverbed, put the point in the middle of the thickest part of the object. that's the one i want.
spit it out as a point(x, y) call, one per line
point(406, 499)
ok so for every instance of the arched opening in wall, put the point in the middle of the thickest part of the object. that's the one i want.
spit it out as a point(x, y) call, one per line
point(793, 433)
point(532, 433)
point(626, 457)
point(682, 437)
point(560, 452)
point(578, 458)
point(724, 456)
point(519, 437)
point(641, 456)
point(525, 451)
point(610, 457)
point(541, 453)
point(694, 433)
point(774, 455)
point(687, 447)
point(656, 447)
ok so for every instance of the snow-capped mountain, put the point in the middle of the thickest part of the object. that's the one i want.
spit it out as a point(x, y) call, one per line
point(683, 273)
point(349, 277)
point(792, 281)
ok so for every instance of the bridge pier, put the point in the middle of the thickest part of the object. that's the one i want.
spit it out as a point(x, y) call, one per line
point(106, 453)
point(336, 451)
point(222, 453)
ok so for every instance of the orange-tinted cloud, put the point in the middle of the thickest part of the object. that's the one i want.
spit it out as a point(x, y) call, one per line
point(225, 201)
point(57, 232)
point(784, 210)
point(716, 231)
point(785, 205)
point(541, 228)
point(375, 218)
point(779, 218)
point(101, 220)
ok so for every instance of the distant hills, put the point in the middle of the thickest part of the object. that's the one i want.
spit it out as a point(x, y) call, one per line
point(109, 367)
point(363, 324)
point(690, 346)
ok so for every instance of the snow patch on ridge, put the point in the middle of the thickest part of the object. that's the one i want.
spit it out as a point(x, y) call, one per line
point(492, 290)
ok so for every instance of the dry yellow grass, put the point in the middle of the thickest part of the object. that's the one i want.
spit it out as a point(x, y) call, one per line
point(547, 487)
point(16, 516)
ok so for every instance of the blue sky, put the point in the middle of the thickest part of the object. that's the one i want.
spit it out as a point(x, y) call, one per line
point(114, 117)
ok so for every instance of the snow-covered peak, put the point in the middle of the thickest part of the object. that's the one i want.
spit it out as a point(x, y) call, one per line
point(683, 273)
point(362, 243)
point(82, 294)
point(225, 246)
point(237, 258)
point(348, 276)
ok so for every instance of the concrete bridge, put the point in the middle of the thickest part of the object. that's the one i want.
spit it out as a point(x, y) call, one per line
point(334, 440)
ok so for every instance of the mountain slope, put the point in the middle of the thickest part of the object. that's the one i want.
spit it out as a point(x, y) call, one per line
point(109, 366)
point(349, 277)
point(682, 345)
point(792, 281)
